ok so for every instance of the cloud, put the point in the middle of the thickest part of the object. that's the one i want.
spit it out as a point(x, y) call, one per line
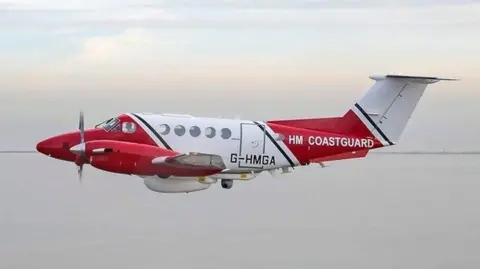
point(165, 52)
point(108, 4)
point(160, 17)
point(124, 46)
point(122, 49)
point(139, 58)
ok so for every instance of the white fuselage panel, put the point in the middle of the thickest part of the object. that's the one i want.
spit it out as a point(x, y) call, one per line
point(243, 145)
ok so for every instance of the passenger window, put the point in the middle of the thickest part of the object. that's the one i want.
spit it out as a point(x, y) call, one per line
point(179, 130)
point(164, 129)
point(195, 131)
point(128, 127)
point(210, 132)
point(226, 133)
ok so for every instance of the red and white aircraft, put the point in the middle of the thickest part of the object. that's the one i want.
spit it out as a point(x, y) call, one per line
point(182, 153)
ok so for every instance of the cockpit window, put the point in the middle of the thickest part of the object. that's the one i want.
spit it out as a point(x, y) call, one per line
point(101, 124)
point(109, 125)
point(112, 125)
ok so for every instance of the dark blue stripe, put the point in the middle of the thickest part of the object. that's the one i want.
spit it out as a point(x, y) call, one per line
point(276, 144)
point(153, 131)
point(373, 124)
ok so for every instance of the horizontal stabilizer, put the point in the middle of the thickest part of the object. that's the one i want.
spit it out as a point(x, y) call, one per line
point(415, 79)
point(341, 156)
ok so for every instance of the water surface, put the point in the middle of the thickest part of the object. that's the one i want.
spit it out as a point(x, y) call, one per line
point(386, 211)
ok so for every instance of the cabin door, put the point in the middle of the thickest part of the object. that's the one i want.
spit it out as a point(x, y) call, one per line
point(252, 146)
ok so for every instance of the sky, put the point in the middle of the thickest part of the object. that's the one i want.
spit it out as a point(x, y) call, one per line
point(142, 44)
point(248, 59)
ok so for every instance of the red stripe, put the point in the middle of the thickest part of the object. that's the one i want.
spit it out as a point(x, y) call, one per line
point(350, 126)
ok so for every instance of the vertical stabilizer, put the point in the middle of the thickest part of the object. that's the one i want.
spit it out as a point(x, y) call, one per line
point(386, 107)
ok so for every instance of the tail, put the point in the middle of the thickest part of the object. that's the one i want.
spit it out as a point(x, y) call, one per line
point(383, 112)
point(386, 107)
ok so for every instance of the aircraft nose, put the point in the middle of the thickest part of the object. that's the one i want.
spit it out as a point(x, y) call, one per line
point(43, 147)
point(57, 147)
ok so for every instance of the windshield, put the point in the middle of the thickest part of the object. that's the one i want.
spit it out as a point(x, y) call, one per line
point(108, 124)
point(101, 124)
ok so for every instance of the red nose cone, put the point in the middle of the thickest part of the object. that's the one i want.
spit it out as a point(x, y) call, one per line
point(58, 147)
point(42, 147)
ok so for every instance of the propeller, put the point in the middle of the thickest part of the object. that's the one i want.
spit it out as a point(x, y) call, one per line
point(79, 149)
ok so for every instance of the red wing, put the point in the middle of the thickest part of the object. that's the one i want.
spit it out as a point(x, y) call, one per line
point(141, 159)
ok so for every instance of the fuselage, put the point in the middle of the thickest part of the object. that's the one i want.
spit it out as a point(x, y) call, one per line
point(243, 145)
point(246, 145)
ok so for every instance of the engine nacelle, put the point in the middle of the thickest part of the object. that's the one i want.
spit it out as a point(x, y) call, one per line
point(144, 160)
point(174, 184)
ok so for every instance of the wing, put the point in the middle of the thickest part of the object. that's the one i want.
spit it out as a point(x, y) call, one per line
point(142, 159)
point(192, 160)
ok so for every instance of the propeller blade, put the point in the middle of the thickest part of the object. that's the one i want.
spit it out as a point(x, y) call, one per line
point(80, 172)
point(80, 148)
point(81, 127)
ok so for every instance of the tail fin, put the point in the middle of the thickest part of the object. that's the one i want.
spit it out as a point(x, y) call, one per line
point(386, 107)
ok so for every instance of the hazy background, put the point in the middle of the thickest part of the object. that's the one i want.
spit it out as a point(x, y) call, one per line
point(254, 59)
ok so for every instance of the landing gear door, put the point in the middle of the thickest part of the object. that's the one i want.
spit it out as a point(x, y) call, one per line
point(252, 146)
